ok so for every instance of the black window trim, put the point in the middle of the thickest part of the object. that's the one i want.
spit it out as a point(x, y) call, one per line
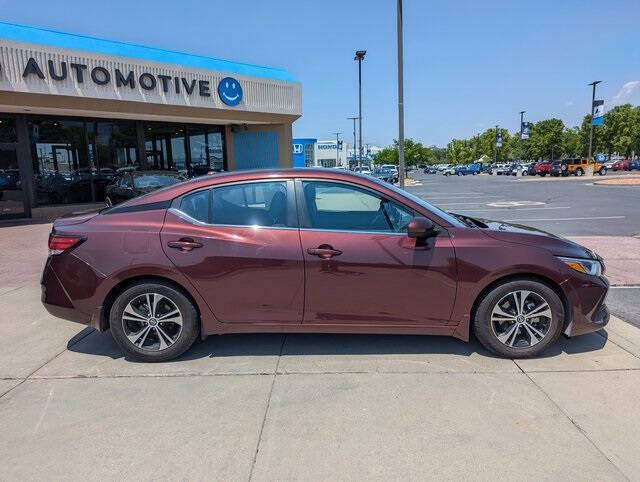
point(292, 210)
point(303, 216)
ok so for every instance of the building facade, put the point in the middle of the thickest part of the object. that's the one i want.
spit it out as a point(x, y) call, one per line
point(75, 111)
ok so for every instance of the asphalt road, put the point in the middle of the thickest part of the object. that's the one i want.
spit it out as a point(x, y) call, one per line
point(564, 206)
point(572, 207)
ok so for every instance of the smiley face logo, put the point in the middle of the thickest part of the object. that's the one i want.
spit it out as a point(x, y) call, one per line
point(230, 91)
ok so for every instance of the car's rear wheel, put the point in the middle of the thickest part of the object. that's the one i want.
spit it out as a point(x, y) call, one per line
point(602, 171)
point(153, 321)
point(108, 202)
point(519, 319)
point(579, 172)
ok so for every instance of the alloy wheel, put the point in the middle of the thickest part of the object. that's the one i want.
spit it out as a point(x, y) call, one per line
point(521, 319)
point(152, 321)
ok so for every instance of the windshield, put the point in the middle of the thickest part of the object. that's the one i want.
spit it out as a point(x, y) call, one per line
point(435, 210)
point(155, 181)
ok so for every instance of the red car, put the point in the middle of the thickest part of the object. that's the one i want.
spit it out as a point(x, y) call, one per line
point(303, 250)
point(621, 165)
point(542, 168)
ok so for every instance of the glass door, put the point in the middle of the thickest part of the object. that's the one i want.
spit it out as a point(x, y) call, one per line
point(12, 200)
point(11, 194)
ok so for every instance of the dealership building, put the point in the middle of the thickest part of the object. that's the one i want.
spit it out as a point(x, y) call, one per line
point(76, 110)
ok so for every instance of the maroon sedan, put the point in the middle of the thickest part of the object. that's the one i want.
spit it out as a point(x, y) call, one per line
point(306, 250)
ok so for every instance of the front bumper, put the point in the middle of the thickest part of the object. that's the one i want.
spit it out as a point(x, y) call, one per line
point(586, 297)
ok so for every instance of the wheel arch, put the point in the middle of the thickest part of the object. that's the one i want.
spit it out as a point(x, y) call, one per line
point(519, 277)
point(126, 283)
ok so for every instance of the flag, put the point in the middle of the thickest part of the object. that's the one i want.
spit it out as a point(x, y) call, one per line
point(499, 139)
point(524, 130)
point(598, 112)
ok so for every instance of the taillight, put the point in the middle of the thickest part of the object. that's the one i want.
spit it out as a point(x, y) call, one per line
point(60, 243)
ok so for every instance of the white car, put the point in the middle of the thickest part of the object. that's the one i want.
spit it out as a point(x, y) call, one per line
point(391, 167)
point(449, 171)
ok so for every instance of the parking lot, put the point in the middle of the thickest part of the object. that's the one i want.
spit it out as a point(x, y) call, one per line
point(348, 407)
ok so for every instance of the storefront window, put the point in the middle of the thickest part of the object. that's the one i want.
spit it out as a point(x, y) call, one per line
point(207, 150)
point(165, 147)
point(62, 171)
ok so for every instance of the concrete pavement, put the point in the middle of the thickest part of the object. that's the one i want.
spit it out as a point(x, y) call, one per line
point(312, 407)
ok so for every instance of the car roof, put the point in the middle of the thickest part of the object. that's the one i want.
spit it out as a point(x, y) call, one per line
point(171, 192)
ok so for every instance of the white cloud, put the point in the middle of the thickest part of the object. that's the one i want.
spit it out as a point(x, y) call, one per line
point(625, 92)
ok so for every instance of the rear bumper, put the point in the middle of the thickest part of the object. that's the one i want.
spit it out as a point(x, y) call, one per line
point(57, 301)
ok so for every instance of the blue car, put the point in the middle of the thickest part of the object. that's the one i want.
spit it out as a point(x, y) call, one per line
point(634, 165)
point(472, 169)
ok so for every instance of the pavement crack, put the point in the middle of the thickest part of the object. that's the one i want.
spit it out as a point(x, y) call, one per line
point(72, 342)
point(573, 422)
point(266, 410)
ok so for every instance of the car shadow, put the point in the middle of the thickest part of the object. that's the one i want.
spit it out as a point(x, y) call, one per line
point(92, 342)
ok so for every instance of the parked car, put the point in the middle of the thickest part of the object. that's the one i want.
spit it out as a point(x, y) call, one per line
point(385, 175)
point(314, 251)
point(471, 169)
point(577, 167)
point(542, 168)
point(449, 171)
point(528, 169)
point(131, 184)
point(363, 170)
point(634, 165)
point(622, 165)
point(501, 169)
point(393, 168)
point(430, 170)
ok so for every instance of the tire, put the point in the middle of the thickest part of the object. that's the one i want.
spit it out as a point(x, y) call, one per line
point(459, 173)
point(579, 172)
point(542, 174)
point(108, 201)
point(525, 173)
point(602, 171)
point(521, 339)
point(148, 347)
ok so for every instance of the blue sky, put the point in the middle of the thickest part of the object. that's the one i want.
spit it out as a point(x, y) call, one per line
point(468, 64)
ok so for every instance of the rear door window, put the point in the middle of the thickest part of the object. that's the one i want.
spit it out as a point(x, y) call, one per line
point(252, 204)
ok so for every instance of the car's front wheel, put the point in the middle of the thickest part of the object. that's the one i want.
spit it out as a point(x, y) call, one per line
point(153, 321)
point(519, 319)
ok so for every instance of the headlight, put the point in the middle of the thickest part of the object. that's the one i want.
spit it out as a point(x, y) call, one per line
point(586, 266)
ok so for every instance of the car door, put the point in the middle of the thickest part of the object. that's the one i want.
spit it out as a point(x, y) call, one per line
point(360, 265)
point(239, 245)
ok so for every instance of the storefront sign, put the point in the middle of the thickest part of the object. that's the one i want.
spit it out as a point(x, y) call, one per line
point(327, 146)
point(229, 89)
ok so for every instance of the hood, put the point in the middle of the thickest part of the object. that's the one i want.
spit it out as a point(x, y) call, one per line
point(521, 234)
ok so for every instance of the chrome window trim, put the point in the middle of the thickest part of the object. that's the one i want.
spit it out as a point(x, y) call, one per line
point(354, 231)
point(189, 219)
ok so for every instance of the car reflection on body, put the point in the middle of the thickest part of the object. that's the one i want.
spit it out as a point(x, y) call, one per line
point(130, 184)
point(315, 251)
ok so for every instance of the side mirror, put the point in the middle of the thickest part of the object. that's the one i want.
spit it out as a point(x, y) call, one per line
point(421, 228)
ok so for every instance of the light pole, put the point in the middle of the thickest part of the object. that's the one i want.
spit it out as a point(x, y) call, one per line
point(338, 148)
point(521, 139)
point(401, 168)
point(593, 98)
point(495, 147)
point(354, 136)
point(360, 57)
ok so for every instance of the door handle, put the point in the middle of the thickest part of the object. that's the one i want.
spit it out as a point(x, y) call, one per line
point(184, 244)
point(324, 251)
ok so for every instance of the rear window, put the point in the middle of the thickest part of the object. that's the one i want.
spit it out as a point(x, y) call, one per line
point(155, 181)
